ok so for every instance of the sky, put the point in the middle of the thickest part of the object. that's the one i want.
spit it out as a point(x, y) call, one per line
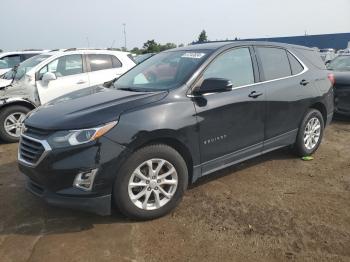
point(52, 24)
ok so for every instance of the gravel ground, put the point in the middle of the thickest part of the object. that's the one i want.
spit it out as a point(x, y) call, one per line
point(272, 208)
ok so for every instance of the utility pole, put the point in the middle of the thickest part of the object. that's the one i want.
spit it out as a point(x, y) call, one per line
point(124, 31)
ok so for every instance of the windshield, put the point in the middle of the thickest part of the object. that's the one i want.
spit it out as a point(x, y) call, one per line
point(341, 63)
point(24, 67)
point(140, 58)
point(163, 71)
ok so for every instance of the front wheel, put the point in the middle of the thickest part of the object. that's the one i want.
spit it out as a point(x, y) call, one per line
point(11, 121)
point(310, 133)
point(151, 182)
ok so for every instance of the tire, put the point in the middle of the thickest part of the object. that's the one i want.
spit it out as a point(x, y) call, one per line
point(303, 146)
point(157, 154)
point(15, 110)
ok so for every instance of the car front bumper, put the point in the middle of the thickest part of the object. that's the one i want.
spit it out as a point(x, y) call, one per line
point(100, 205)
point(52, 179)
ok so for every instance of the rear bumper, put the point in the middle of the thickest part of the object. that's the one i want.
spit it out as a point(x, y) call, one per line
point(100, 205)
point(342, 100)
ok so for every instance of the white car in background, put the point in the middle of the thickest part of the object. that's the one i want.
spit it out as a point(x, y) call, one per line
point(10, 59)
point(58, 74)
point(19, 71)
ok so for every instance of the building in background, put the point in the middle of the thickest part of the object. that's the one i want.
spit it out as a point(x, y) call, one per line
point(335, 41)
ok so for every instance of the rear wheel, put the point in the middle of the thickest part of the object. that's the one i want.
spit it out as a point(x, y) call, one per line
point(151, 182)
point(310, 133)
point(11, 121)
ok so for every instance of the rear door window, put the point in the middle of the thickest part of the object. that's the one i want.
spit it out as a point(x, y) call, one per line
point(100, 62)
point(275, 63)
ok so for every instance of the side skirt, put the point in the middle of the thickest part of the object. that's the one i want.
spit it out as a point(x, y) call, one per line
point(244, 154)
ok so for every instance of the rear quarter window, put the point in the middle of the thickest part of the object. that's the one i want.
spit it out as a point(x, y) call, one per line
point(313, 57)
point(295, 65)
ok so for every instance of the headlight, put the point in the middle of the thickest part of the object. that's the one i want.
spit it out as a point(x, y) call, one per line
point(78, 137)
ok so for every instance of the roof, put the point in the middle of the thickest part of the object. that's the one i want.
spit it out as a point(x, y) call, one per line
point(22, 52)
point(87, 50)
point(220, 44)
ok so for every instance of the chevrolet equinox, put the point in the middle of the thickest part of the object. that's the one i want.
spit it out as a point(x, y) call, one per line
point(137, 142)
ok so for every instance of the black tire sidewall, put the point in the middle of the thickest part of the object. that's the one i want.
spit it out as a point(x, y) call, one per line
point(300, 146)
point(120, 189)
point(4, 113)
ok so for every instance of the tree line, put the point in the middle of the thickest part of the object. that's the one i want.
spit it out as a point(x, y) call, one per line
point(151, 46)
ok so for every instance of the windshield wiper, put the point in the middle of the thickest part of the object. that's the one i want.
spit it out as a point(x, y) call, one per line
point(129, 89)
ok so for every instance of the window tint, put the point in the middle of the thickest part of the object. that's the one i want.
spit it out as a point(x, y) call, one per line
point(10, 61)
point(64, 66)
point(235, 65)
point(274, 62)
point(26, 56)
point(100, 62)
point(115, 62)
point(295, 65)
point(313, 56)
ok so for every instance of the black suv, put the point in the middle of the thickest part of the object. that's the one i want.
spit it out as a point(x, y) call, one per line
point(178, 116)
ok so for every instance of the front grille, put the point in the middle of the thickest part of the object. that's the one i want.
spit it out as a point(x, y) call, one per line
point(30, 150)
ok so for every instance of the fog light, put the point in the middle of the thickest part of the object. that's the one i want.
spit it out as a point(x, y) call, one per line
point(85, 180)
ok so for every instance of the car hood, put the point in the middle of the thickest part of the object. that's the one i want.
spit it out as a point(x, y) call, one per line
point(88, 107)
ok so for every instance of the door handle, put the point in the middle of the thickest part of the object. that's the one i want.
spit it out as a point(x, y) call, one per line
point(255, 94)
point(304, 82)
point(81, 82)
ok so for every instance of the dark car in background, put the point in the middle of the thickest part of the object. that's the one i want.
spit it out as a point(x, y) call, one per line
point(139, 143)
point(340, 68)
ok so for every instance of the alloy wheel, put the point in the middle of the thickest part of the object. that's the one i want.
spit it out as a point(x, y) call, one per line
point(153, 184)
point(312, 133)
point(13, 124)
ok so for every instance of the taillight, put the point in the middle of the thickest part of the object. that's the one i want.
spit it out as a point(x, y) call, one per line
point(331, 78)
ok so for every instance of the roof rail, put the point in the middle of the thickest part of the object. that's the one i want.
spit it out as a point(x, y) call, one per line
point(70, 49)
point(91, 48)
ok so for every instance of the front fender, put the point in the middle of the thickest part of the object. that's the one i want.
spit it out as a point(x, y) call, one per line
point(17, 100)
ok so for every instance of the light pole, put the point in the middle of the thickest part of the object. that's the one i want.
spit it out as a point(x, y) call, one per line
point(124, 31)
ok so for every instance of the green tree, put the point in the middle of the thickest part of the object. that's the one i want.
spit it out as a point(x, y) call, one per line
point(181, 45)
point(136, 51)
point(203, 37)
point(151, 46)
point(167, 46)
point(1, 51)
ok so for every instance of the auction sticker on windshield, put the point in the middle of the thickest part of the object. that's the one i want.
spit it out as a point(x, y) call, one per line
point(193, 55)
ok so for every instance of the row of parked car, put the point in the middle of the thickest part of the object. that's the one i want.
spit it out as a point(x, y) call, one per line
point(46, 75)
point(137, 142)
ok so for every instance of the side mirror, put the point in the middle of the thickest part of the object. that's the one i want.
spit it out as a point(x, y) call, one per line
point(47, 77)
point(215, 85)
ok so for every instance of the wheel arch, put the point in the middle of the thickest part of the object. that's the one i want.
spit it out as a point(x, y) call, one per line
point(171, 141)
point(322, 108)
point(17, 102)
